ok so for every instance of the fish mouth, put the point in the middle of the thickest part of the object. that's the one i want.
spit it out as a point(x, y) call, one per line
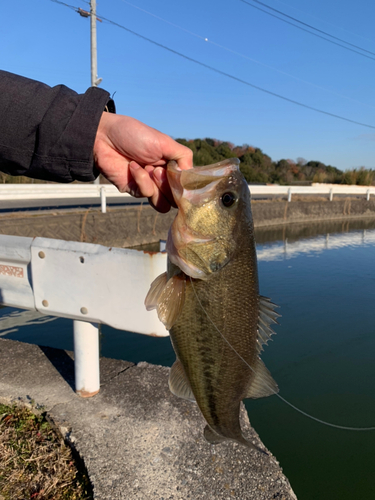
point(194, 188)
point(198, 181)
point(179, 241)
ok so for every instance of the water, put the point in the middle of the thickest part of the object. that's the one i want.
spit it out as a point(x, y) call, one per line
point(323, 277)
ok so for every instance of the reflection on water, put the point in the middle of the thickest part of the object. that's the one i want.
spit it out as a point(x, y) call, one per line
point(323, 278)
point(289, 249)
point(295, 232)
point(11, 319)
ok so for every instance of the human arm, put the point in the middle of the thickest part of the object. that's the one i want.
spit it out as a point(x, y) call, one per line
point(55, 134)
point(48, 132)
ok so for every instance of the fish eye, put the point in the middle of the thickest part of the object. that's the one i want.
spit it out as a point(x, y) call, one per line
point(228, 199)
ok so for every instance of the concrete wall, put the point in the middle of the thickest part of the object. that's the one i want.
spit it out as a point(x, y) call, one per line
point(137, 225)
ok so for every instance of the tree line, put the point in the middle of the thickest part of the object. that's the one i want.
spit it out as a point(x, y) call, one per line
point(257, 167)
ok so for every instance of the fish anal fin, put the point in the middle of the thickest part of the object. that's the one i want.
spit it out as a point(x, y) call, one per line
point(167, 297)
point(262, 384)
point(178, 382)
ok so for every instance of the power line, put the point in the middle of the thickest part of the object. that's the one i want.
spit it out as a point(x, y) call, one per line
point(244, 56)
point(220, 72)
point(325, 21)
point(311, 33)
point(313, 28)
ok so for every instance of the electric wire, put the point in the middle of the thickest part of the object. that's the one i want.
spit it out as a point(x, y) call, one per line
point(311, 27)
point(311, 33)
point(244, 56)
point(329, 424)
point(325, 21)
point(223, 73)
point(240, 80)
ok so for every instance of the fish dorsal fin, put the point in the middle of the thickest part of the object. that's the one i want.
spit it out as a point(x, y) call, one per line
point(262, 385)
point(178, 382)
point(167, 297)
point(267, 316)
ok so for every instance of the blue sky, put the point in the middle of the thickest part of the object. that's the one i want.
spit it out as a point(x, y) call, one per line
point(50, 42)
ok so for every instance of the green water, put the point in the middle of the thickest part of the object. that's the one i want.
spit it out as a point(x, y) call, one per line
point(323, 278)
point(323, 360)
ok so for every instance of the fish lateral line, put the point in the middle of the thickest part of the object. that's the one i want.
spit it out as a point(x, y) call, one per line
point(272, 390)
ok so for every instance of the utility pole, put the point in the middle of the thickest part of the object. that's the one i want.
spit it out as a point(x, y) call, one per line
point(94, 56)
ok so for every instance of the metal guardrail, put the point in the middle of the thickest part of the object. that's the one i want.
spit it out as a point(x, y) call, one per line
point(87, 283)
point(317, 189)
point(58, 191)
point(35, 192)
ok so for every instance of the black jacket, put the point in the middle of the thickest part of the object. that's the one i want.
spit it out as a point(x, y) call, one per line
point(48, 133)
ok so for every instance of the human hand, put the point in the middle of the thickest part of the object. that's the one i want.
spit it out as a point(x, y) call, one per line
point(131, 155)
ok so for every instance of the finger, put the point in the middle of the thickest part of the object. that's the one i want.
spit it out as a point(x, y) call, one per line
point(141, 178)
point(186, 160)
point(143, 185)
point(159, 176)
point(176, 151)
point(160, 203)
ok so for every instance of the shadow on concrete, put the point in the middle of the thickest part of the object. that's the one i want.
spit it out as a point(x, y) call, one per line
point(63, 362)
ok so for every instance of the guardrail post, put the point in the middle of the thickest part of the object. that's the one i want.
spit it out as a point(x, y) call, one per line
point(86, 358)
point(289, 194)
point(103, 200)
point(331, 194)
point(368, 195)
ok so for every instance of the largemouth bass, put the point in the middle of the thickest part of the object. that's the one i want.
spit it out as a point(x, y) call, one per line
point(209, 299)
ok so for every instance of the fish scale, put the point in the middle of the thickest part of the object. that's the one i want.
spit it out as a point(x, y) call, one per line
point(209, 297)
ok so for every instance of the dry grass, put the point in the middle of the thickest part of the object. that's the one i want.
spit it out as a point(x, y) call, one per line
point(35, 463)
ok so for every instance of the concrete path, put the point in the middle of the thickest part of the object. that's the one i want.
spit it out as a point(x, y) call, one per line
point(137, 440)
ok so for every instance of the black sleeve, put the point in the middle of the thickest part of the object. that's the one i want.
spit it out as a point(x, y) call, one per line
point(48, 133)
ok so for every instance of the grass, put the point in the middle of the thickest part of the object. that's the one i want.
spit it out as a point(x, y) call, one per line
point(35, 463)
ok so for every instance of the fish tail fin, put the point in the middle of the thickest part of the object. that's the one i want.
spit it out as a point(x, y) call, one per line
point(214, 438)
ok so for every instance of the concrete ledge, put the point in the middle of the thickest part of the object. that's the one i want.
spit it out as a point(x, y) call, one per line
point(137, 440)
point(138, 225)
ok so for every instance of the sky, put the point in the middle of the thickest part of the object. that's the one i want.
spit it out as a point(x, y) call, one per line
point(50, 42)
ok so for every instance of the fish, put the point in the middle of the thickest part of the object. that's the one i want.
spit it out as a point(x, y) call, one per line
point(209, 298)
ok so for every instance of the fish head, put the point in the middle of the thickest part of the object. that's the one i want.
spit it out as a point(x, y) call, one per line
point(212, 202)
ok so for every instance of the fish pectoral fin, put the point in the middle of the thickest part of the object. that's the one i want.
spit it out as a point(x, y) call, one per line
point(262, 385)
point(167, 297)
point(156, 288)
point(178, 382)
point(267, 316)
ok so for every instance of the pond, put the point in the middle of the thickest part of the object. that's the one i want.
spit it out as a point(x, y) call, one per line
point(323, 278)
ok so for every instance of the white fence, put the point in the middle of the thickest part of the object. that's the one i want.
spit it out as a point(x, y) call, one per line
point(328, 190)
point(34, 192)
point(88, 283)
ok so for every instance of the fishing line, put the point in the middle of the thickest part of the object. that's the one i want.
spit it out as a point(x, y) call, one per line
point(329, 424)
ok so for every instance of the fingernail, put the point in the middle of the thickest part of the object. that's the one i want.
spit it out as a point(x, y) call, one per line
point(134, 166)
point(159, 174)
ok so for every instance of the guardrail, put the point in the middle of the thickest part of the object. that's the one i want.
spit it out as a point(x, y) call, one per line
point(13, 192)
point(87, 283)
point(317, 189)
